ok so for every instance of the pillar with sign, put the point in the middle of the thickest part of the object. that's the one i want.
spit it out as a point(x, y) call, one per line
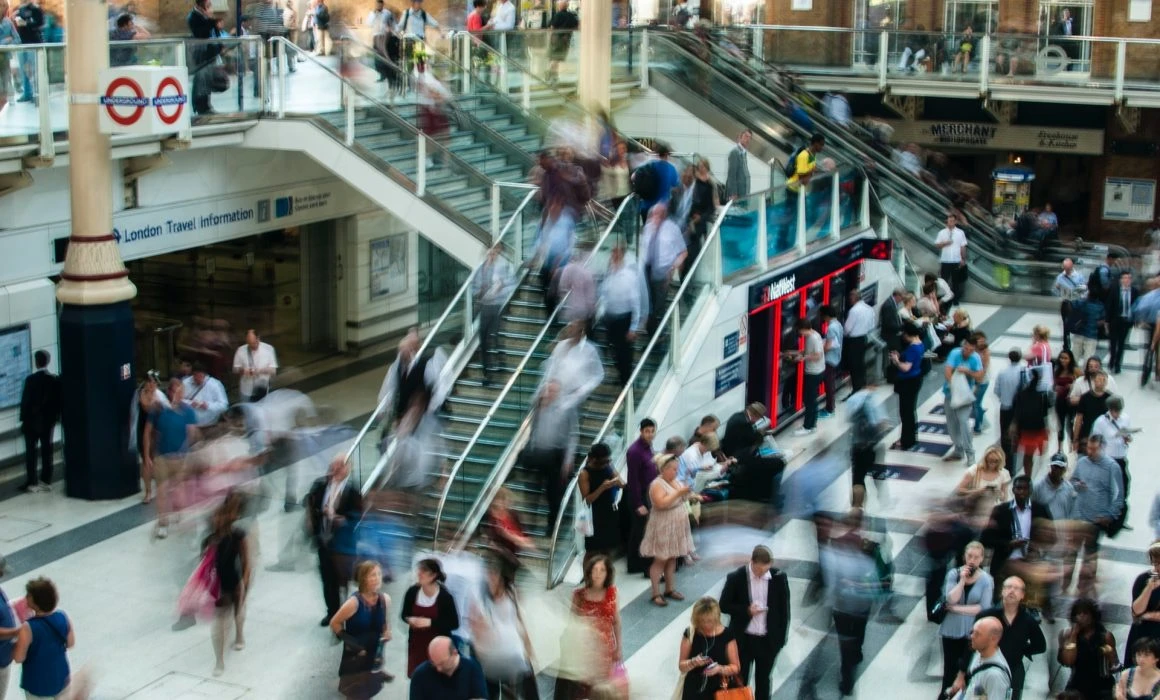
point(96, 321)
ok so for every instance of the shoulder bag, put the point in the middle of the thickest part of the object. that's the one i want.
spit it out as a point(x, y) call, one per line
point(733, 689)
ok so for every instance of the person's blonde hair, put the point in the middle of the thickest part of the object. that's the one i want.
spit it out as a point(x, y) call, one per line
point(705, 606)
point(974, 545)
point(1040, 333)
point(993, 449)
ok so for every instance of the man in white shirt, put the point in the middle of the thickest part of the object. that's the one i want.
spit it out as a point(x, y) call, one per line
point(206, 395)
point(490, 288)
point(504, 19)
point(1066, 282)
point(665, 252)
point(952, 245)
point(623, 296)
point(813, 358)
point(860, 321)
point(838, 109)
point(381, 22)
point(255, 363)
point(1116, 427)
point(697, 467)
point(575, 364)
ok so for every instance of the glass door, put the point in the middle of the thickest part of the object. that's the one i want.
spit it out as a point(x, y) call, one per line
point(967, 21)
point(1058, 22)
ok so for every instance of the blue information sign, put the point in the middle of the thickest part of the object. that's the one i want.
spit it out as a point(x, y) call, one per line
point(732, 344)
point(728, 376)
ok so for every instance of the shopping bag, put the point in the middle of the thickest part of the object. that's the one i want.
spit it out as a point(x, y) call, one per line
point(961, 392)
point(733, 689)
point(202, 590)
point(584, 525)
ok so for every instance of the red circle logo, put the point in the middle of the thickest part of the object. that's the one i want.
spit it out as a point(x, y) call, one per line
point(112, 102)
point(175, 101)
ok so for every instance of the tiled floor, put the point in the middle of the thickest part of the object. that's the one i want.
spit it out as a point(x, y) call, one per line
point(120, 590)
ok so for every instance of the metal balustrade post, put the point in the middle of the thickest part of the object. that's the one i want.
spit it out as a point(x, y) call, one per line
point(421, 171)
point(43, 92)
point(282, 70)
point(835, 205)
point(263, 75)
point(900, 264)
point(503, 58)
point(1121, 68)
point(762, 234)
point(495, 210)
point(758, 44)
point(984, 64)
point(864, 214)
point(348, 104)
point(675, 335)
point(468, 318)
point(526, 90)
point(803, 192)
point(519, 238)
point(883, 58)
point(884, 232)
point(465, 61)
point(179, 60)
point(629, 411)
point(644, 56)
point(718, 262)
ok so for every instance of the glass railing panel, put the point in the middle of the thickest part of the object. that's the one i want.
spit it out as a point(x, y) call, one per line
point(739, 235)
point(20, 119)
point(781, 223)
point(626, 54)
point(1141, 65)
point(819, 198)
point(849, 197)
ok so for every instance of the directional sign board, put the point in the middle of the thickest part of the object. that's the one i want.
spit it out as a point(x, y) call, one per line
point(144, 100)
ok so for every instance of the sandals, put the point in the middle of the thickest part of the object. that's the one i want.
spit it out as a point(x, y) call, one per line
point(659, 601)
point(675, 595)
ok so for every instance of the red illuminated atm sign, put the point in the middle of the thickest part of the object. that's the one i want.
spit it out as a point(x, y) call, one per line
point(778, 288)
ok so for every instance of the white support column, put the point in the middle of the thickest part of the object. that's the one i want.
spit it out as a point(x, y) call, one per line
point(595, 56)
point(883, 58)
point(1121, 67)
point(801, 218)
point(348, 103)
point(984, 65)
point(465, 61)
point(503, 59)
point(526, 90)
point(675, 336)
point(47, 145)
point(762, 234)
point(643, 63)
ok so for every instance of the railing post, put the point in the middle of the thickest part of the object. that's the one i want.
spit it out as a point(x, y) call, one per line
point(835, 205)
point(468, 319)
point(718, 272)
point(495, 210)
point(675, 335)
point(503, 82)
point(864, 213)
point(263, 75)
point(421, 172)
point(629, 410)
point(984, 64)
point(884, 232)
point(179, 61)
point(1121, 67)
point(282, 70)
point(900, 264)
point(803, 192)
point(762, 234)
point(465, 61)
point(43, 91)
point(643, 58)
point(348, 104)
point(883, 58)
point(526, 90)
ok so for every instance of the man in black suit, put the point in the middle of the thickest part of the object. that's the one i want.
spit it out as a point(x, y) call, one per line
point(754, 477)
point(1119, 308)
point(333, 507)
point(39, 413)
point(890, 321)
point(756, 599)
point(1017, 527)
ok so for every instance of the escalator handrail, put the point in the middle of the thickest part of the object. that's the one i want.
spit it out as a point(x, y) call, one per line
point(706, 249)
point(505, 457)
point(464, 289)
point(374, 102)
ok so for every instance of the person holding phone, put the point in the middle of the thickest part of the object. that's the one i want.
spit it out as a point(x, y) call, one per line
point(756, 598)
point(1145, 605)
point(966, 590)
point(708, 652)
point(599, 486)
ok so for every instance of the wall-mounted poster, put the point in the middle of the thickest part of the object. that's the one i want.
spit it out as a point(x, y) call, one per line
point(388, 266)
point(1129, 199)
point(15, 363)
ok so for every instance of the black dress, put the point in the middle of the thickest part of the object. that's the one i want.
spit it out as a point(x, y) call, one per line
point(698, 686)
point(1143, 629)
point(605, 522)
point(1087, 672)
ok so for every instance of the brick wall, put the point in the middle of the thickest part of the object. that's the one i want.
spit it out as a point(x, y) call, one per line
point(1145, 167)
point(809, 48)
point(1111, 19)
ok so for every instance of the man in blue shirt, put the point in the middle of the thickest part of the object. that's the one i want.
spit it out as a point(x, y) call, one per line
point(174, 428)
point(1087, 315)
point(447, 675)
point(665, 176)
point(961, 360)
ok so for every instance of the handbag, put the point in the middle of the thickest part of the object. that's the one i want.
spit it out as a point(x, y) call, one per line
point(201, 592)
point(961, 392)
point(938, 611)
point(219, 79)
point(733, 689)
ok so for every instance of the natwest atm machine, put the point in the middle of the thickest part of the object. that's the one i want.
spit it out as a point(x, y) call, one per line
point(779, 299)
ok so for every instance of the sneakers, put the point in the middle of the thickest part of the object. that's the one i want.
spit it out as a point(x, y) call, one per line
point(802, 432)
point(162, 532)
point(35, 488)
point(822, 415)
point(953, 457)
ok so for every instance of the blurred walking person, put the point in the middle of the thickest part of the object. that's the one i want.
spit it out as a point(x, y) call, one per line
point(490, 288)
point(852, 582)
point(665, 252)
point(596, 611)
point(623, 296)
point(333, 507)
point(575, 287)
point(233, 561)
point(173, 431)
point(500, 636)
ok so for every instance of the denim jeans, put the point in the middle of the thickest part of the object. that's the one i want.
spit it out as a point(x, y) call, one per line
point(978, 411)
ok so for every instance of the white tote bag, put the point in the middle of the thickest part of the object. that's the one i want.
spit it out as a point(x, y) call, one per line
point(961, 392)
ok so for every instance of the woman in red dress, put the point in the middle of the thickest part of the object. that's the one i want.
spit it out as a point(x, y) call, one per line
point(429, 611)
point(594, 605)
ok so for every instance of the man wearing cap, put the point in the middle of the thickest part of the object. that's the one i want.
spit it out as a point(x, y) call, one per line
point(1058, 495)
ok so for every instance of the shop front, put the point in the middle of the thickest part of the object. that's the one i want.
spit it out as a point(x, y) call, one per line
point(777, 301)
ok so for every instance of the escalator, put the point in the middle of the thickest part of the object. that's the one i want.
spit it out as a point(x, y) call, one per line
point(696, 74)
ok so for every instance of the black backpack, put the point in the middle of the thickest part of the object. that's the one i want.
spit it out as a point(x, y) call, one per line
point(790, 167)
point(322, 19)
point(646, 181)
point(865, 432)
point(1030, 407)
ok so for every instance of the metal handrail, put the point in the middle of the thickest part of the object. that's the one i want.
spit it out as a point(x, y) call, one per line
point(714, 233)
point(467, 525)
point(877, 30)
point(453, 304)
